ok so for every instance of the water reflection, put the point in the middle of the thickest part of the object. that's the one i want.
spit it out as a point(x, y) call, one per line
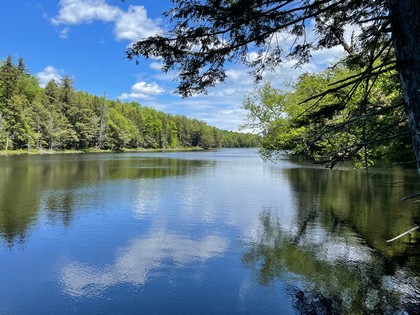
point(327, 273)
point(335, 245)
point(29, 184)
point(134, 264)
point(369, 205)
point(126, 227)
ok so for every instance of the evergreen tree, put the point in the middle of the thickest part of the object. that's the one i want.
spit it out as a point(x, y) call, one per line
point(58, 117)
point(57, 133)
point(8, 78)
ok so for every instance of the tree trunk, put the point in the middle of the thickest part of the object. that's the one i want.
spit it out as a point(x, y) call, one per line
point(405, 23)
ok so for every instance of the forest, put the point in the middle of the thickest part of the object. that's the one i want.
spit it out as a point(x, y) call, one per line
point(57, 117)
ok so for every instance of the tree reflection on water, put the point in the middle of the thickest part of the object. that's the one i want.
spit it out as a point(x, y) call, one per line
point(327, 273)
point(31, 185)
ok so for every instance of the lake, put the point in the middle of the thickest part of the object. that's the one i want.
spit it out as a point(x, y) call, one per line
point(211, 232)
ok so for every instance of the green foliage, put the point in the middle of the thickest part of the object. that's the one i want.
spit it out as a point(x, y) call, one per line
point(58, 117)
point(333, 127)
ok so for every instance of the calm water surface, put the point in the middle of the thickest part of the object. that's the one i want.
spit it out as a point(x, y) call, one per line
point(216, 232)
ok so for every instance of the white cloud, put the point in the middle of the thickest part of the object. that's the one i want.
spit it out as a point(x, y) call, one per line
point(143, 90)
point(131, 25)
point(220, 108)
point(156, 66)
point(327, 57)
point(134, 24)
point(241, 76)
point(48, 74)
point(288, 72)
point(73, 12)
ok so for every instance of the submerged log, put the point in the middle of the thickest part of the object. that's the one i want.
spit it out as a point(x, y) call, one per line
point(401, 235)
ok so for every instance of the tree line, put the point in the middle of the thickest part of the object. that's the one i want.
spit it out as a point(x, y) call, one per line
point(58, 117)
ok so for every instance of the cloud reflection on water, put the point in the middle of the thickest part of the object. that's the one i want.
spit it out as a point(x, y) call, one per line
point(135, 262)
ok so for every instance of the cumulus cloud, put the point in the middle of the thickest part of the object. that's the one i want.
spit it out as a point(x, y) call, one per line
point(74, 12)
point(134, 24)
point(143, 90)
point(48, 74)
point(131, 25)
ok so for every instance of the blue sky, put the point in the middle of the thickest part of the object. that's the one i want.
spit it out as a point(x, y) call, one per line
point(86, 40)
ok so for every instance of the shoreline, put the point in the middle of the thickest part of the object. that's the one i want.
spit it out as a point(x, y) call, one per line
point(88, 151)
